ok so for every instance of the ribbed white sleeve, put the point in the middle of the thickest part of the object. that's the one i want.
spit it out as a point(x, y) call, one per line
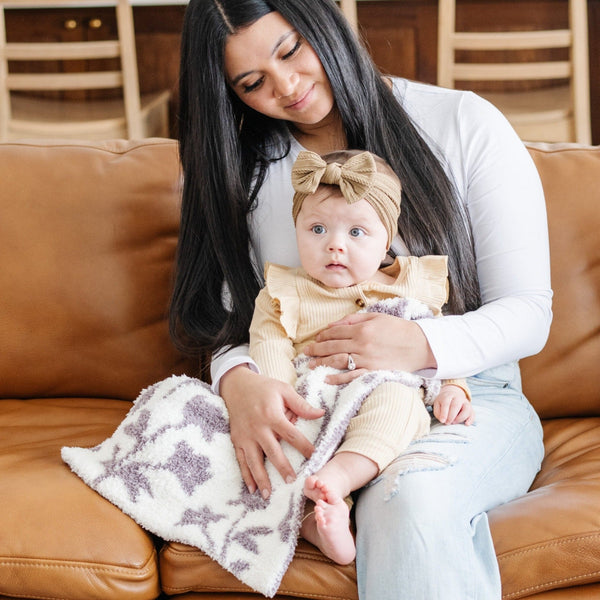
point(224, 361)
point(500, 187)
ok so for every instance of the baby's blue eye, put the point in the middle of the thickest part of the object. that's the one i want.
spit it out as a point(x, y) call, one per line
point(318, 229)
point(356, 232)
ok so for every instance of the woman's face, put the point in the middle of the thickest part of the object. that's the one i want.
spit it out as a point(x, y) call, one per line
point(272, 69)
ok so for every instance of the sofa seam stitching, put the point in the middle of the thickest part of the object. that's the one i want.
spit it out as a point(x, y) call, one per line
point(550, 583)
point(214, 588)
point(83, 566)
point(533, 548)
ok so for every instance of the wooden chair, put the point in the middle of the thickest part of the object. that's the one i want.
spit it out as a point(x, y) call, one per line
point(348, 7)
point(37, 113)
point(556, 107)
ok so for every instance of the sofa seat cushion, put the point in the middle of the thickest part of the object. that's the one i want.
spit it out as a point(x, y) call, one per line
point(58, 538)
point(310, 575)
point(550, 538)
point(585, 592)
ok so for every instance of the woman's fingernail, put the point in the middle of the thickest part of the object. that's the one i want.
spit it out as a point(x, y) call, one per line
point(265, 493)
point(290, 479)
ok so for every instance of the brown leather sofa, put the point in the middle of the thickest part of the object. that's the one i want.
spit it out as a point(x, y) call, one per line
point(87, 240)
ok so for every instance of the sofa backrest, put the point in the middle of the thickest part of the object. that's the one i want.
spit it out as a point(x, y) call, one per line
point(87, 242)
point(561, 380)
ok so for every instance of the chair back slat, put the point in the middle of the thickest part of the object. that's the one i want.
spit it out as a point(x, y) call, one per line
point(547, 93)
point(83, 65)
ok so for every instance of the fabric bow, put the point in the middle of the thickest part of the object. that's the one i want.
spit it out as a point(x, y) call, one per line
point(354, 178)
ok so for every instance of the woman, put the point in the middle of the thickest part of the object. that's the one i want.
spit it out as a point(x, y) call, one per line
point(261, 80)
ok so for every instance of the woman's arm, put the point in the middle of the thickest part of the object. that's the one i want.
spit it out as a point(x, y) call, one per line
point(507, 211)
point(500, 187)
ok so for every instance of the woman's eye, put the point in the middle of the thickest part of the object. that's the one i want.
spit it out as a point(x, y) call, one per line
point(293, 50)
point(318, 229)
point(250, 87)
point(356, 232)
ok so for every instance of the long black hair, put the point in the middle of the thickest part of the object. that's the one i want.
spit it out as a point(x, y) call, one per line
point(226, 148)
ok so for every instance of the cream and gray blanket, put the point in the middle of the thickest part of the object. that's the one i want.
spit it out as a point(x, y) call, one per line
point(171, 466)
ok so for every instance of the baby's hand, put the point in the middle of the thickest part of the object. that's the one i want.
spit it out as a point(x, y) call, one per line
point(451, 406)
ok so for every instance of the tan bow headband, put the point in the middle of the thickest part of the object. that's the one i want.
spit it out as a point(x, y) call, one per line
point(358, 179)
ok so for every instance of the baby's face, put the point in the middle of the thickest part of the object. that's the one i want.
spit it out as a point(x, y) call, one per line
point(340, 244)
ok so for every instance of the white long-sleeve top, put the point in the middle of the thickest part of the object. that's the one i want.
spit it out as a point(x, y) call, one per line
point(497, 181)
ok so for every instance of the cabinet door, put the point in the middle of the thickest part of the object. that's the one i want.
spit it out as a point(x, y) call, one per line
point(67, 25)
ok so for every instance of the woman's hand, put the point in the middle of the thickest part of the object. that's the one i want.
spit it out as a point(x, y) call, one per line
point(261, 413)
point(375, 341)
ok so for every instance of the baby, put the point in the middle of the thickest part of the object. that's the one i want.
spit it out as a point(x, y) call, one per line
point(346, 206)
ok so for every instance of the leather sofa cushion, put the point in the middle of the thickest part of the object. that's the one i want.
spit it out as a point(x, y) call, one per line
point(87, 242)
point(311, 575)
point(58, 538)
point(588, 592)
point(585, 592)
point(562, 380)
point(550, 538)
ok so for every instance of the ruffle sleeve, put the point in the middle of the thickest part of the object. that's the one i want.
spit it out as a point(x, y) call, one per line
point(280, 282)
point(431, 281)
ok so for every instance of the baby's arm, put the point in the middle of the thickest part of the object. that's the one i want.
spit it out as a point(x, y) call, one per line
point(453, 404)
point(270, 347)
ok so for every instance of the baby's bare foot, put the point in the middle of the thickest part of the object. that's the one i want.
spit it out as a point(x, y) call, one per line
point(334, 537)
point(315, 489)
point(328, 526)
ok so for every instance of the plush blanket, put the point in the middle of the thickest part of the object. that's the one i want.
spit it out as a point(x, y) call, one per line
point(171, 466)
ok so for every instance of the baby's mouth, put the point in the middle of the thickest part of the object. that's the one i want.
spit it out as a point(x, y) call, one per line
point(335, 266)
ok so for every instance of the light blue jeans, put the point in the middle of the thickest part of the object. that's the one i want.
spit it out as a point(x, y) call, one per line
point(422, 529)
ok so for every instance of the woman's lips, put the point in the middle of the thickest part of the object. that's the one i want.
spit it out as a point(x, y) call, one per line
point(302, 101)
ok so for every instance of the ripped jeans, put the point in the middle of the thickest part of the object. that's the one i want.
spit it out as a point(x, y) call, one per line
point(422, 530)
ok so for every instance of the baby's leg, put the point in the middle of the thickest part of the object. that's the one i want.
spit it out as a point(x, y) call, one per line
point(389, 419)
point(344, 473)
point(387, 422)
point(328, 527)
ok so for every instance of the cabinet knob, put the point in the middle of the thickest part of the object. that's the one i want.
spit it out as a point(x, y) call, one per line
point(70, 24)
point(95, 23)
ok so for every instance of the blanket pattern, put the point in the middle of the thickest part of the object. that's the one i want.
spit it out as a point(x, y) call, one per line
point(171, 466)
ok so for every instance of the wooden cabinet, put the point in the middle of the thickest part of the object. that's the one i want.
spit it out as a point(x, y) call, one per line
point(400, 34)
